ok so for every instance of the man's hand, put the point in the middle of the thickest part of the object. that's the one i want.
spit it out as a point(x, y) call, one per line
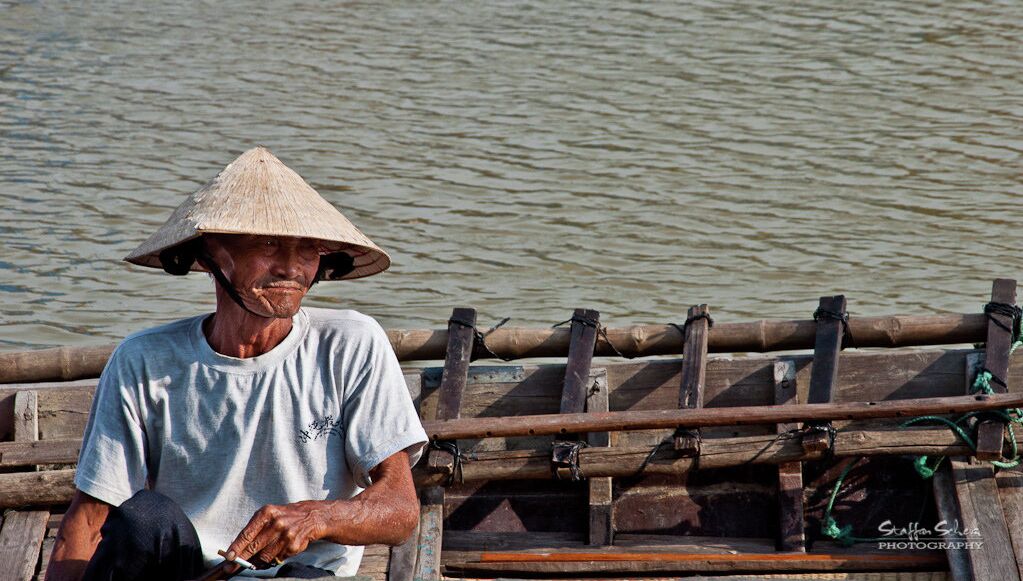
point(386, 512)
point(278, 532)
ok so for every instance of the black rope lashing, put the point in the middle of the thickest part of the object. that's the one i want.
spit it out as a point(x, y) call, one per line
point(836, 316)
point(826, 428)
point(451, 447)
point(1005, 309)
point(480, 339)
point(565, 454)
point(601, 330)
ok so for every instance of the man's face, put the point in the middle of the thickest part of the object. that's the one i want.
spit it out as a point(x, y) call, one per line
point(271, 274)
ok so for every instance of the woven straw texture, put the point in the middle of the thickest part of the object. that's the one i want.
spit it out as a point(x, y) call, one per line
point(258, 194)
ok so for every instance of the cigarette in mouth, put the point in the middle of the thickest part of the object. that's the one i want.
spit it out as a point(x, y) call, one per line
point(236, 560)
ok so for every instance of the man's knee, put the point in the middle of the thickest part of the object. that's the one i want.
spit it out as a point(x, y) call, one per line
point(149, 516)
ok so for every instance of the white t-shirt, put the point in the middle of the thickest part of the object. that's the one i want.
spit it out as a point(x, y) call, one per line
point(223, 436)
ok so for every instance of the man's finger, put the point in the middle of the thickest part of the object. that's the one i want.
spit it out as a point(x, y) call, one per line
point(254, 536)
point(272, 552)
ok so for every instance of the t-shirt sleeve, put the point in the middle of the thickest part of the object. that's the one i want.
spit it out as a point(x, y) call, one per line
point(380, 418)
point(112, 465)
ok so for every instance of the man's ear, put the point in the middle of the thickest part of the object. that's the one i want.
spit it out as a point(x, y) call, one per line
point(334, 266)
point(178, 260)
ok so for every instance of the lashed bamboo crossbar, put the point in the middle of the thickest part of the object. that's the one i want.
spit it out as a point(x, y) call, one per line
point(54, 487)
point(67, 363)
point(714, 453)
point(73, 363)
point(553, 424)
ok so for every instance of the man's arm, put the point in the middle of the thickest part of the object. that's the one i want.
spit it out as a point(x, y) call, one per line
point(77, 538)
point(385, 513)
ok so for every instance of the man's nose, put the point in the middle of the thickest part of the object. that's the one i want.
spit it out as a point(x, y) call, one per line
point(287, 262)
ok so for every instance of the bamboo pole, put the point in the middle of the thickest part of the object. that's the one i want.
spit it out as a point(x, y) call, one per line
point(55, 487)
point(714, 453)
point(67, 363)
point(556, 424)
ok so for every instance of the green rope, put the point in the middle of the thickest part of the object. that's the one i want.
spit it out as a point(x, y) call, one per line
point(981, 384)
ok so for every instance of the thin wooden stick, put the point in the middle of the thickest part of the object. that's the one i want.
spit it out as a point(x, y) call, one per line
point(551, 424)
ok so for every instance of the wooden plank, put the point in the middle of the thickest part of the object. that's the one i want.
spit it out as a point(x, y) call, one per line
point(694, 374)
point(580, 356)
point(948, 509)
point(26, 416)
point(431, 526)
point(21, 540)
point(827, 345)
point(981, 511)
point(1010, 491)
point(601, 522)
point(456, 363)
point(792, 514)
point(990, 433)
point(48, 487)
point(401, 562)
point(454, 378)
point(576, 383)
point(39, 452)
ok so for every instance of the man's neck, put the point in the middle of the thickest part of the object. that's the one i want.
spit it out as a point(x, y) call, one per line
point(234, 332)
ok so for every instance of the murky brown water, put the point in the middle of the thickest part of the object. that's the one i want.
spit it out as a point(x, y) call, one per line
point(524, 158)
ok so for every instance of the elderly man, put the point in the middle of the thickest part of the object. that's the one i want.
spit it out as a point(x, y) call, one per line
point(279, 433)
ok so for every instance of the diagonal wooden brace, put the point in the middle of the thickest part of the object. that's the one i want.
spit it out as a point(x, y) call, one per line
point(694, 374)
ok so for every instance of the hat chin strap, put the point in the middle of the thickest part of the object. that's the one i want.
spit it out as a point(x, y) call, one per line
point(207, 261)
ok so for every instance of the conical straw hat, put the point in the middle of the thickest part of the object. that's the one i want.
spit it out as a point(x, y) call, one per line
point(258, 194)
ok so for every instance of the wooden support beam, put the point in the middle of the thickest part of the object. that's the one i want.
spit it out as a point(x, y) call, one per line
point(827, 345)
point(601, 530)
point(461, 341)
point(770, 449)
point(792, 514)
point(21, 539)
point(996, 360)
point(26, 416)
point(694, 374)
point(580, 357)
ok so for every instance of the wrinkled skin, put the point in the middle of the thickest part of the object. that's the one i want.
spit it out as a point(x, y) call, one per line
point(272, 276)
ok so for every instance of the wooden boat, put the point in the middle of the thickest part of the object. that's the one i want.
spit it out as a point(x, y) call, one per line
point(726, 464)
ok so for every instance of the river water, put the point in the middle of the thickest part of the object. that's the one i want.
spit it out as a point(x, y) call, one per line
point(525, 158)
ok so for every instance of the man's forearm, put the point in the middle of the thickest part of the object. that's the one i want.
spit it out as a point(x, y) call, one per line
point(377, 516)
point(77, 538)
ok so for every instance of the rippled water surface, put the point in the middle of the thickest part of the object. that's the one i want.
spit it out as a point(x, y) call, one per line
point(524, 158)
